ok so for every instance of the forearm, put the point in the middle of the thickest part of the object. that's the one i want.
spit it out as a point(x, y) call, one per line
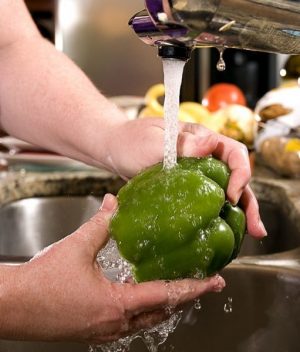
point(46, 100)
point(22, 316)
point(15, 23)
point(8, 307)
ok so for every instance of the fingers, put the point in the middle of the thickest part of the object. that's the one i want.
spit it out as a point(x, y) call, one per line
point(138, 323)
point(196, 140)
point(95, 231)
point(199, 141)
point(191, 145)
point(249, 203)
point(236, 156)
point(154, 295)
point(147, 320)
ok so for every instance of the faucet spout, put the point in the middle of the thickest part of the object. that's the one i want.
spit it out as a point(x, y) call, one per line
point(166, 37)
point(260, 25)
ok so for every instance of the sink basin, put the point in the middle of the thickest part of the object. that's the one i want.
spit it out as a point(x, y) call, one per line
point(29, 225)
point(283, 234)
point(265, 300)
point(265, 317)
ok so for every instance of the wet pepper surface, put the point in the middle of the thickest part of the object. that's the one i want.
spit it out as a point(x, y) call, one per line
point(177, 223)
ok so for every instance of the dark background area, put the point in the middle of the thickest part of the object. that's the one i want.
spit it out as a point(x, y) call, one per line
point(43, 13)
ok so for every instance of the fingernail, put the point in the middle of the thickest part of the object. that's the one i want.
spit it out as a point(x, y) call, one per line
point(236, 198)
point(263, 229)
point(219, 283)
point(234, 195)
point(108, 203)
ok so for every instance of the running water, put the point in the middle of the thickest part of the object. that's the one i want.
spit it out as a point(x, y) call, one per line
point(173, 70)
point(117, 268)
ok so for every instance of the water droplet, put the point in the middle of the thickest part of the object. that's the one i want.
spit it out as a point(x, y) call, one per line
point(197, 304)
point(221, 65)
point(228, 305)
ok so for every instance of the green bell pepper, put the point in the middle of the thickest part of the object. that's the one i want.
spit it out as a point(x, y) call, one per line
point(177, 223)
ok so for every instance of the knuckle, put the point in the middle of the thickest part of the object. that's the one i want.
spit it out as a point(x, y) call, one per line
point(243, 148)
point(99, 221)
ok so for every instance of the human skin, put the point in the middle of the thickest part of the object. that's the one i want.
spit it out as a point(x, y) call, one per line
point(46, 100)
point(62, 294)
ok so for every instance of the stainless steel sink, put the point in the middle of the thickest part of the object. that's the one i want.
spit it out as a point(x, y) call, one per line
point(265, 316)
point(283, 234)
point(29, 225)
point(265, 299)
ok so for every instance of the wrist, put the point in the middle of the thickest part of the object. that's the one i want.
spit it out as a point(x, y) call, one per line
point(105, 136)
point(9, 288)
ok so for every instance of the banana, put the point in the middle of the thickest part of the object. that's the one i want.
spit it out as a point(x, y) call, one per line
point(188, 111)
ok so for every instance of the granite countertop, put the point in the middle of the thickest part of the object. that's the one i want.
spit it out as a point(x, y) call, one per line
point(268, 187)
point(18, 185)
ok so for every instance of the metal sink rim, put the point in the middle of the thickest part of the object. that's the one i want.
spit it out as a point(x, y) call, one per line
point(289, 259)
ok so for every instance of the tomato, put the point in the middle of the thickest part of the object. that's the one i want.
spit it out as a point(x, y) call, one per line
point(221, 94)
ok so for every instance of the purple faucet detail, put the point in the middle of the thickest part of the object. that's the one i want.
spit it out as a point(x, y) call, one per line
point(154, 7)
point(152, 32)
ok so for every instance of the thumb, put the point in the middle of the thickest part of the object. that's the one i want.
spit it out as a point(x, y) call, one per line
point(96, 230)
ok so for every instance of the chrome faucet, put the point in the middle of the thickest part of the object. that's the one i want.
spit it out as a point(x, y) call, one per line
point(178, 26)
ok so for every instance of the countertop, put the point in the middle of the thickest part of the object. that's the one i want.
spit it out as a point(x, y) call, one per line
point(268, 187)
point(17, 185)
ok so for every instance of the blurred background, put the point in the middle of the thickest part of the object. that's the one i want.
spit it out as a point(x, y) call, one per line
point(96, 35)
point(255, 100)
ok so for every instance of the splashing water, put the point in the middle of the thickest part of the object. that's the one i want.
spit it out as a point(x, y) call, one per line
point(119, 270)
point(173, 70)
point(197, 304)
point(228, 305)
point(152, 338)
point(116, 268)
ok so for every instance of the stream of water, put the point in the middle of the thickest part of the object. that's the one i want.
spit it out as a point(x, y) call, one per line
point(109, 258)
point(173, 70)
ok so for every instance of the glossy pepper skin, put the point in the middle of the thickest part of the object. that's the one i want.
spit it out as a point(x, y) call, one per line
point(177, 223)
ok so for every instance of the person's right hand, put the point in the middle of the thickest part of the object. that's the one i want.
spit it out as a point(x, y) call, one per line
point(139, 144)
point(63, 295)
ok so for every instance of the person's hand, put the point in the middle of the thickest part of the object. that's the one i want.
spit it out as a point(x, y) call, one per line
point(139, 143)
point(62, 294)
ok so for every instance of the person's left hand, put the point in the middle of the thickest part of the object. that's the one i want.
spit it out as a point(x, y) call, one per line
point(63, 295)
point(138, 144)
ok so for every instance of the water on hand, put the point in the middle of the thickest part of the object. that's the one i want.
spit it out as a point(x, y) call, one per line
point(109, 259)
point(173, 70)
point(119, 270)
